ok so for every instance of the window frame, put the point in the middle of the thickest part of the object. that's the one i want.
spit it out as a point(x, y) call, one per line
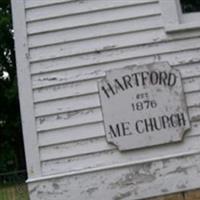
point(175, 20)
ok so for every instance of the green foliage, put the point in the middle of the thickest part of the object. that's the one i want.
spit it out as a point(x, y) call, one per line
point(14, 192)
point(190, 5)
point(11, 147)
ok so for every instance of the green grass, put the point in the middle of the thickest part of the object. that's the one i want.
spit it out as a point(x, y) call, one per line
point(14, 192)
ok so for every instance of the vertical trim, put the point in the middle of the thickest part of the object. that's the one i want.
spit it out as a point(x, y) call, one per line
point(173, 18)
point(25, 90)
point(170, 13)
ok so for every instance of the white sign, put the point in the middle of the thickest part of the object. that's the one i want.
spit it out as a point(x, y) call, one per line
point(143, 106)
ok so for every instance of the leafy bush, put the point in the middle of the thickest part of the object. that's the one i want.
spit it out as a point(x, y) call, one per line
point(11, 143)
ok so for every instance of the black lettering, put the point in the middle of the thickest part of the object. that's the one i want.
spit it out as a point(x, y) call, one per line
point(163, 78)
point(171, 79)
point(136, 78)
point(118, 85)
point(116, 132)
point(154, 78)
point(181, 119)
point(105, 91)
point(148, 125)
point(125, 128)
point(157, 127)
point(173, 120)
point(138, 128)
point(127, 81)
point(165, 121)
point(111, 89)
point(144, 77)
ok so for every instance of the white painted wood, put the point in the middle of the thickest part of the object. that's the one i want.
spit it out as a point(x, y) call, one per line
point(65, 91)
point(170, 6)
point(101, 159)
point(174, 58)
point(96, 72)
point(124, 52)
point(71, 134)
point(88, 131)
point(72, 43)
point(192, 99)
point(66, 105)
point(87, 88)
point(178, 21)
point(190, 17)
point(87, 116)
point(69, 119)
point(75, 7)
point(183, 27)
point(25, 92)
point(97, 44)
point(132, 182)
point(73, 149)
point(92, 32)
point(90, 146)
point(91, 18)
point(189, 70)
point(192, 84)
point(40, 3)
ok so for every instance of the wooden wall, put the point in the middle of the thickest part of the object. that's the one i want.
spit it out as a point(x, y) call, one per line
point(70, 44)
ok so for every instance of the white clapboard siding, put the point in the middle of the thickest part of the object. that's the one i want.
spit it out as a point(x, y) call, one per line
point(78, 148)
point(67, 8)
point(87, 116)
point(61, 134)
point(74, 149)
point(173, 57)
point(85, 74)
point(92, 18)
point(92, 32)
point(100, 44)
point(130, 182)
point(88, 73)
point(191, 84)
point(147, 34)
point(69, 51)
point(89, 87)
point(112, 52)
point(91, 145)
point(70, 46)
point(69, 119)
point(85, 132)
point(150, 55)
point(64, 91)
point(189, 70)
point(71, 134)
point(66, 105)
point(192, 99)
point(98, 71)
point(40, 3)
point(50, 107)
point(189, 145)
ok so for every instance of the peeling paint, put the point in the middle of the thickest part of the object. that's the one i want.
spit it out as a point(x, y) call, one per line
point(182, 186)
point(179, 170)
point(134, 179)
point(165, 190)
point(122, 196)
point(33, 189)
point(195, 118)
point(55, 186)
point(91, 190)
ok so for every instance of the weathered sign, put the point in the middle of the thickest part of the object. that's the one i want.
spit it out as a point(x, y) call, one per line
point(143, 106)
